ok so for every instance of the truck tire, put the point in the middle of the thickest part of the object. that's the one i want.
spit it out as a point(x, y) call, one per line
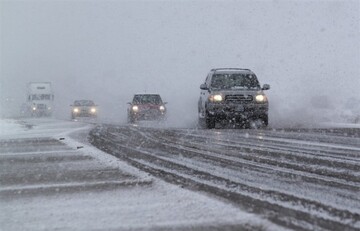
point(265, 119)
point(209, 121)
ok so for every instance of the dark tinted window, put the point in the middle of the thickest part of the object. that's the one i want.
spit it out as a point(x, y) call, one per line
point(234, 81)
point(41, 97)
point(144, 99)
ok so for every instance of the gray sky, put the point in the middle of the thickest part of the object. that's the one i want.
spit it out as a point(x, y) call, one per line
point(109, 50)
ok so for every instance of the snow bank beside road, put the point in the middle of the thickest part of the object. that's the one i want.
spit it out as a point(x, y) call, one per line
point(36, 128)
point(78, 138)
point(10, 127)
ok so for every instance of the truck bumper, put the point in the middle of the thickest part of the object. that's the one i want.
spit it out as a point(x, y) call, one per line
point(237, 111)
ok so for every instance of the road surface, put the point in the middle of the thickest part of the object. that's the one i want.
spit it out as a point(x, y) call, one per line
point(51, 178)
point(302, 179)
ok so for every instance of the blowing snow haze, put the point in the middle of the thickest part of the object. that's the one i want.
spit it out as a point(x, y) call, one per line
point(308, 51)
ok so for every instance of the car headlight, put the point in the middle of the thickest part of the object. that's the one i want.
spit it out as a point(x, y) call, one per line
point(76, 110)
point(34, 108)
point(135, 108)
point(216, 98)
point(260, 98)
point(162, 108)
point(93, 110)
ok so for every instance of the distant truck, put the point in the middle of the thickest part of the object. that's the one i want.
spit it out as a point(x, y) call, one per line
point(40, 99)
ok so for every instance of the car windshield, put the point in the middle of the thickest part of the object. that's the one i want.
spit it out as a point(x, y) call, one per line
point(84, 103)
point(147, 99)
point(234, 81)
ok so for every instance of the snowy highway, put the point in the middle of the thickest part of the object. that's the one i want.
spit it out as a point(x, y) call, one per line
point(302, 179)
point(51, 178)
point(180, 115)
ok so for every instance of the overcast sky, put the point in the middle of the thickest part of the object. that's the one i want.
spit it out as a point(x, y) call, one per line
point(109, 50)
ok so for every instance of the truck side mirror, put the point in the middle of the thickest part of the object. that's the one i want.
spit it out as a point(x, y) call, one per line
point(204, 87)
point(265, 87)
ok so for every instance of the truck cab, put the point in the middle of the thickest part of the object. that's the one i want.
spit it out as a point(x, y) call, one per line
point(40, 99)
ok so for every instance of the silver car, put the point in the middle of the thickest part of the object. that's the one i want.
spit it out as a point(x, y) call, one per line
point(233, 94)
point(83, 108)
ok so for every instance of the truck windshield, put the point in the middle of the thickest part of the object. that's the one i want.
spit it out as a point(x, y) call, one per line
point(234, 81)
point(41, 97)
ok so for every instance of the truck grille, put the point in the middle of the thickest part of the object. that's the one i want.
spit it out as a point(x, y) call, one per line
point(239, 98)
point(41, 106)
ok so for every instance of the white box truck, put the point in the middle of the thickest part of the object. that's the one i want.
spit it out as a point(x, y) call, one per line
point(40, 99)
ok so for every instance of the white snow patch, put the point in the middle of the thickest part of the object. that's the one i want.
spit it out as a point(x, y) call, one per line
point(10, 127)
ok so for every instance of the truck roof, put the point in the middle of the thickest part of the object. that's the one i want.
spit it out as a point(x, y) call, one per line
point(39, 87)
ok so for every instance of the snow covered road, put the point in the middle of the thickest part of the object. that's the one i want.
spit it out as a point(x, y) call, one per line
point(306, 179)
point(51, 178)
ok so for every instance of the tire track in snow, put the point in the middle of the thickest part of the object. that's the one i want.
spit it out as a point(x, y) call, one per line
point(136, 151)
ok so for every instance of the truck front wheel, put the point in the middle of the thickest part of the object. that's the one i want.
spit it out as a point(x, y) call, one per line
point(209, 121)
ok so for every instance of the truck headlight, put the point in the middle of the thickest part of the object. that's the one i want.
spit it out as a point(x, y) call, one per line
point(135, 108)
point(260, 98)
point(76, 110)
point(93, 110)
point(216, 98)
point(162, 108)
